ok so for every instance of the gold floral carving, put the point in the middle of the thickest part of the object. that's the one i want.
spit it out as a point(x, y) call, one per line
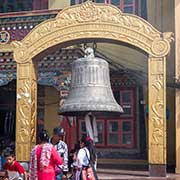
point(6, 47)
point(157, 152)
point(22, 119)
point(34, 107)
point(91, 20)
point(157, 117)
point(25, 111)
point(22, 150)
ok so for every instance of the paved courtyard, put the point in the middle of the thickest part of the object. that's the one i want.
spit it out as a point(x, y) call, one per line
point(107, 174)
point(112, 174)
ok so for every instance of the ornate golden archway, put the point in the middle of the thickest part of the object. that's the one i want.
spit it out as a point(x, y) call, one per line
point(84, 22)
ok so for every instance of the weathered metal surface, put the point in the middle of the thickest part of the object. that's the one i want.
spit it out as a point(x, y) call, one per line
point(90, 87)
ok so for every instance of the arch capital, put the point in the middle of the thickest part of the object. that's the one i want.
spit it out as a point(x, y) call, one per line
point(21, 53)
point(161, 46)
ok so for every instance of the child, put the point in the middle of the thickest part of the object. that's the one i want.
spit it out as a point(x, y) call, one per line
point(13, 170)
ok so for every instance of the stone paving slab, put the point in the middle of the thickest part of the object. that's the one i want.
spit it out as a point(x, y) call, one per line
point(107, 174)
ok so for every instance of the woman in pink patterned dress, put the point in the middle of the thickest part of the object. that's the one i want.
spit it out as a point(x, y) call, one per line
point(44, 159)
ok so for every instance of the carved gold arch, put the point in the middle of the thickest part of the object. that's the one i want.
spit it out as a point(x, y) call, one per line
point(92, 21)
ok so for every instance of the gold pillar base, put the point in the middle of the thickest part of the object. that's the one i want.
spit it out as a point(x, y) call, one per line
point(177, 170)
point(157, 170)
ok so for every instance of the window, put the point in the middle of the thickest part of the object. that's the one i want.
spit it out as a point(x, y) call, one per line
point(100, 129)
point(112, 132)
point(117, 132)
point(115, 2)
point(15, 5)
point(82, 128)
point(127, 6)
point(100, 1)
point(22, 5)
point(120, 133)
point(126, 99)
point(127, 132)
point(79, 1)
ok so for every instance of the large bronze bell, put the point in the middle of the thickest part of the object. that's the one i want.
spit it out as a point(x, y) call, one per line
point(90, 88)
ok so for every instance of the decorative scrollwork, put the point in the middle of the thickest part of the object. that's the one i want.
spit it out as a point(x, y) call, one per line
point(160, 47)
point(20, 51)
point(4, 37)
point(157, 117)
point(72, 23)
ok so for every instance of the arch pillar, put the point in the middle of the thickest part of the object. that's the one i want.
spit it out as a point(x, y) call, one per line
point(157, 116)
point(26, 107)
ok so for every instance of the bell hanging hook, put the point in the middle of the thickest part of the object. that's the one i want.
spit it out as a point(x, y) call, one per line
point(89, 52)
point(94, 47)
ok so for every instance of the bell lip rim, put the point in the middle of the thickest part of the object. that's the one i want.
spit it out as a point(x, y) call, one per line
point(96, 113)
point(116, 110)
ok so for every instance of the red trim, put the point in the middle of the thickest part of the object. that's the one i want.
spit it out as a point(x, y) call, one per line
point(70, 137)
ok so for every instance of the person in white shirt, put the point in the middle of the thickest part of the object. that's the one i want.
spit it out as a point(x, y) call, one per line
point(83, 157)
point(61, 147)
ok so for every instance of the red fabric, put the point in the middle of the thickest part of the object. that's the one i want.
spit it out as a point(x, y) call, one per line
point(49, 172)
point(88, 174)
point(70, 132)
point(14, 167)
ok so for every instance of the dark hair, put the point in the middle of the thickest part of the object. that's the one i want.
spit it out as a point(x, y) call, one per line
point(43, 136)
point(77, 146)
point(9, 153)
point(92, 150)
point(83, 140)
point(58, 131)
point(90, 146)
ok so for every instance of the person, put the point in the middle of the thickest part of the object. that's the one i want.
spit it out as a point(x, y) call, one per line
point(13, 169)
point(92, 151)
point(61, 147)
point(44, 158)
point(85, 167)
point(72, 163)
point(83, 157)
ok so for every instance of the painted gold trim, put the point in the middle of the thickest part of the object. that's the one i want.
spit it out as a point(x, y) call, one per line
point(6, 47)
